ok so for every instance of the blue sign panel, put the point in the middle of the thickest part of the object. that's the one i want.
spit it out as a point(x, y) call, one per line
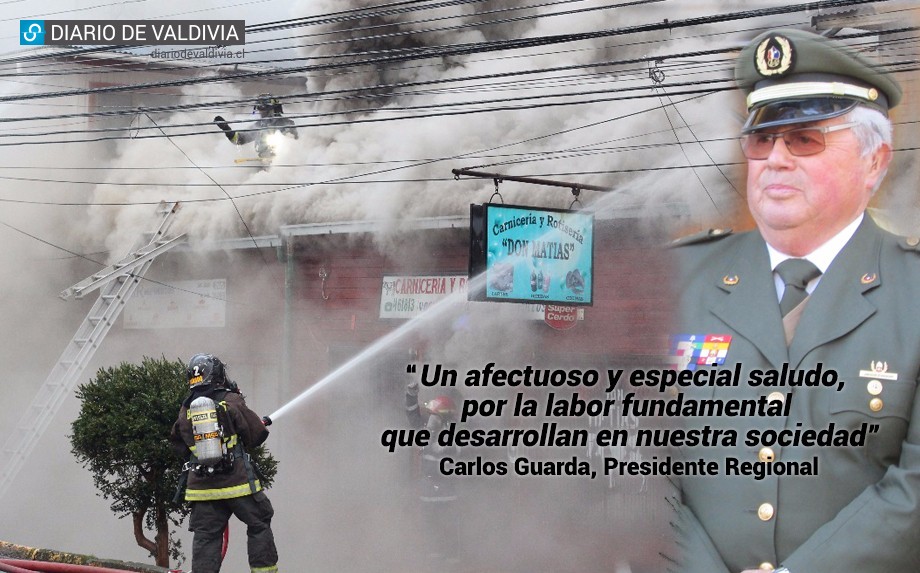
point(538, 255)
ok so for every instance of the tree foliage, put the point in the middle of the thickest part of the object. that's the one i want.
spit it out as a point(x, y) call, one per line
point(121, 435)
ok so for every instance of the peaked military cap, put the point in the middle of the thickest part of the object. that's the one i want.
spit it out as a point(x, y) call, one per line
point(794, 76)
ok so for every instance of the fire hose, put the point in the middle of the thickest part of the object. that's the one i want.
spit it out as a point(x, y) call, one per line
point(27, 566)
point(31, 566)
point(9, 568)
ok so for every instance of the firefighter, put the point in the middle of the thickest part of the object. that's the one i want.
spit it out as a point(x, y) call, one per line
point(212, 432)
point(266, 131)
point(437, 492)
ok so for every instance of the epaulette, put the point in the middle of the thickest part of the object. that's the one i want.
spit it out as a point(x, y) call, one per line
point(701, 237)
point(910, 243)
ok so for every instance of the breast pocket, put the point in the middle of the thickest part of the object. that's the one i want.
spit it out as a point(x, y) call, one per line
point(890, 410)
point(893, 399)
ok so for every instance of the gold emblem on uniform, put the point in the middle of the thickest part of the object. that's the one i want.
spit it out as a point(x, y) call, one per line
point(876, 404)
point(868, 278)
point(878, 369)
point(774, 56)
point(730, 280)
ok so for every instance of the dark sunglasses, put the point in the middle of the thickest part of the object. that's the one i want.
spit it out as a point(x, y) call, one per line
point(800, 142)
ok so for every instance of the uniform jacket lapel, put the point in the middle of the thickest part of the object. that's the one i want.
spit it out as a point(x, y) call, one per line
point(838, 304)
point(750, 305)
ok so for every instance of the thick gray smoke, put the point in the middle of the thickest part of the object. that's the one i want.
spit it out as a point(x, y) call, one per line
point(346, 167)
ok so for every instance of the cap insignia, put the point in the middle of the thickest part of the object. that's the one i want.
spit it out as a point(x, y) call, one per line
point(774, 56)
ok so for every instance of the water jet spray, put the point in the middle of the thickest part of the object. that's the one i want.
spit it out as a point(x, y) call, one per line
point(475, 284)
point(429, 314)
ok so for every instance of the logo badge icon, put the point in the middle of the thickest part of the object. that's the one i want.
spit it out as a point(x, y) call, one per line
point(774, 56)
point(31, 32)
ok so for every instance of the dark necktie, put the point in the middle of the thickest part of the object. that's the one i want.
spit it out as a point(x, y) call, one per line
point(796, 274)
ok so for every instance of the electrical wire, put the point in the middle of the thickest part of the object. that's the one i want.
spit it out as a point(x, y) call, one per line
point(711, 85)
point(374, 172)
point(357, 13)
point(302, 97)
point(394, 56)
point(367, 120)
point(292, 97)
point(199, 106)
point(703, 147)
point(907, 63)
point(680, 145)
point(235, 208)
point(103, 265)
point(477, 24)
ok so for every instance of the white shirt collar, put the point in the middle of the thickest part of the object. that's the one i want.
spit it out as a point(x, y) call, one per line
point(822, 257)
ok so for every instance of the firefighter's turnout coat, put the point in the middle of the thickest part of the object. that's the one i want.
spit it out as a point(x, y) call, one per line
point(241, 427)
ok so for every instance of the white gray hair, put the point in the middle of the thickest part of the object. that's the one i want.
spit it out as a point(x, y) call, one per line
point(872, 129)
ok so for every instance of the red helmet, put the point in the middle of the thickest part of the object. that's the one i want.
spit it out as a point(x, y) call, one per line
point(441, 405)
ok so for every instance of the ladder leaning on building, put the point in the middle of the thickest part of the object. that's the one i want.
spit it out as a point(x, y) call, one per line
point(116, 283)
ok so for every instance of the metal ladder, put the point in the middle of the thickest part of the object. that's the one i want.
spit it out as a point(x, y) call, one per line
point(117, 283)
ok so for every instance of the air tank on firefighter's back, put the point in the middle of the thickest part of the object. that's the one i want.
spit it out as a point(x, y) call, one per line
point(208, 445)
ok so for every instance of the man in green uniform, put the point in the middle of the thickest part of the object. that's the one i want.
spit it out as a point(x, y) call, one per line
point(817, 285)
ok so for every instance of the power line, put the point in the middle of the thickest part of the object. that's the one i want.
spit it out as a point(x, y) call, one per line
point(530, 157)
point(459, 49)
point(382, 87)
point(377, 11)
point(477, 24)
point(367, 174)
point(84, 71)
point(389, 110)
point(392, 87)
point(664, 109)
point(232, 202)
point(494, 109)
point(102, 264)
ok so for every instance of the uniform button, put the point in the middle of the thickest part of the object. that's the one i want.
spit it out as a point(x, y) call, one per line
point(874, 387)
point(913, 241)
point(766, 455)
point(875, 404)
point(766, 566)
point(776, 396)
point(765, 512)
